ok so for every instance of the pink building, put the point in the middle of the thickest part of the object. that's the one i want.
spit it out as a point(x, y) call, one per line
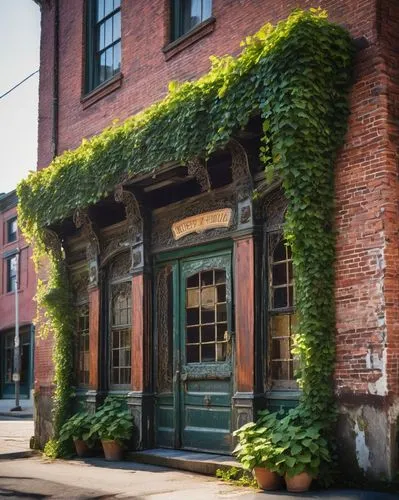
point(16, 265)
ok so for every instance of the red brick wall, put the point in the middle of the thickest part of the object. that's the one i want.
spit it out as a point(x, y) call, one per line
point(367, 221)
point(145, 72)
point(366, 183)
point(389, 27)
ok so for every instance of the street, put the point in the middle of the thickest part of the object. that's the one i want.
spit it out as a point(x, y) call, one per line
point(94, 478)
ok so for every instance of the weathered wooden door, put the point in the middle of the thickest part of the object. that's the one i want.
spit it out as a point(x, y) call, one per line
point(205, 353)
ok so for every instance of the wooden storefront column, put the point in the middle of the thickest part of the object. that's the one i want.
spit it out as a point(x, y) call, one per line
point(83, 221)
point(140, 398)
point(141, 333)
point(244, 399)
point(94, 337)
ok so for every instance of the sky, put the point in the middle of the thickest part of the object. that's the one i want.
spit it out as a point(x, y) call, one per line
point(19, 56)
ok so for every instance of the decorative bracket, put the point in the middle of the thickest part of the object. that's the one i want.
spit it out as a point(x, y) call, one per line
point(133, 212)
point(242, 178)
point(197, 169)
point(82, 220)
point(135, 221)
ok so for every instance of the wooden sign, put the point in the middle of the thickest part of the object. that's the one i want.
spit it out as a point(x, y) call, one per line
point(202, 222)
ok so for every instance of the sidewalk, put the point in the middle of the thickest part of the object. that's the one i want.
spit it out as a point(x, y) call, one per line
point(15, 434)
point(7, 404)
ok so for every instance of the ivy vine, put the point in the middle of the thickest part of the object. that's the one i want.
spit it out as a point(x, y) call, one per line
point(297, 76)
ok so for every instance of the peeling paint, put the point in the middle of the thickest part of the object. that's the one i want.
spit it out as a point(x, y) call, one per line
point(380, 386)
point(373, 360)
point(362, 451)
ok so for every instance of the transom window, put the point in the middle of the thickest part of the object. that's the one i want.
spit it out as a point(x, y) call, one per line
point(12, 230)
point(281, 313)
point(206, 317)
point(103, 41)
point(186, 14)
point(83, 361)
point(11, 264)
point(120, 341)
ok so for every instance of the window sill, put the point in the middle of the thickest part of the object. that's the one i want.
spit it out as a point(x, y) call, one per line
point(200, 31)
point(102, 90)
point(291, 394)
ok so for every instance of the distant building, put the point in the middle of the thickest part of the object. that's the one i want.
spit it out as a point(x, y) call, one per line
point(15, 261)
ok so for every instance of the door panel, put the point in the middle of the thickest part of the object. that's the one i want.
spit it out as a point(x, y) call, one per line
point(206, 353)
point(165, 331)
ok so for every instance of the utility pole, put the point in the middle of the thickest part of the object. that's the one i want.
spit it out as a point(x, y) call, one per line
point(17, 358)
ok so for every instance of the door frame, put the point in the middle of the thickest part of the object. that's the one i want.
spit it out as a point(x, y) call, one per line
point(26, 333)
point(174, 258)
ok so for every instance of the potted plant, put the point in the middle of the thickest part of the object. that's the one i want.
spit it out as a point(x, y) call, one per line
point(256, 452)
point(78, 428)
point(300, 449)
point(113, 425)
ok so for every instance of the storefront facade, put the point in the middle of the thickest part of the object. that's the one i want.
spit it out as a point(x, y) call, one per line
point(168, 301)
point(182, 283)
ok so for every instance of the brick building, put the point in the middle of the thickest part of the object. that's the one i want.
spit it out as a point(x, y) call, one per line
point(102, 61)
point(15, 258)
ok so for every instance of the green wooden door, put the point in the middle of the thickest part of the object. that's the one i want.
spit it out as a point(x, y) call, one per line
point(206, 352)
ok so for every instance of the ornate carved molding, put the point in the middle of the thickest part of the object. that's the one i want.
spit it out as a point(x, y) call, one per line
point(273, 209)
point(161, 233)
point(164, 333)
point(132, 209)
point(53, 242)
point(82, 220)
point(197, 169)
point(135, 219)
point(239, 162)
point(120, 266)
point(114, 244)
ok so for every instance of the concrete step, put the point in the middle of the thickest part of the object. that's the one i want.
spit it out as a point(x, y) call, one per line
point(201, 463)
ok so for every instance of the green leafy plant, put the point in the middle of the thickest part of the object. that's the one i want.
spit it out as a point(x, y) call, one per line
point(299, 447)
point(283, 444)
point(255, 447)
point(79, 427)
point(296, 75)
point(236, 476)
point(112, 422)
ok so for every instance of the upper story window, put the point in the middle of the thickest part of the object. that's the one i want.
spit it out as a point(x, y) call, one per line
point(186, 14)
point(12, 265)
point(281, 313)
point(12, 230)
point(103, 57)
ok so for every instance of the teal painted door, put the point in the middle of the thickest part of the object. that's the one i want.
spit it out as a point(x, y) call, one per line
point(204, 376)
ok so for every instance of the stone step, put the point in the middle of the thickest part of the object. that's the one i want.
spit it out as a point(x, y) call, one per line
point(201, 463)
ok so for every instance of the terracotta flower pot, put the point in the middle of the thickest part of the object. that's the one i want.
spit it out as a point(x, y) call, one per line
point(300, 482)
point(113, 451)
point(267, 480)
point(82, 449)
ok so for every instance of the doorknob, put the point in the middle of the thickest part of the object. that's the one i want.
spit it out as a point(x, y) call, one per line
point(207, 401)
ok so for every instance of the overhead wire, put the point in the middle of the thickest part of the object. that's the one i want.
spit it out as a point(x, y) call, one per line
point(18, 84)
